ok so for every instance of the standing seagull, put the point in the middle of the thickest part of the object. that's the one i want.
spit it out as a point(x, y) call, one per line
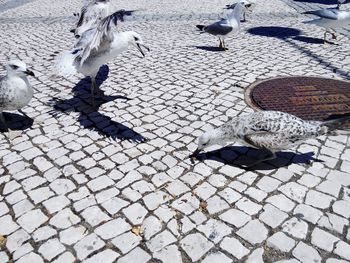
point(96, 47)
point(15, 89)
point(331, 19)
point(90, 15)
point(225, 26)
point(271, 131)
point(247, 6)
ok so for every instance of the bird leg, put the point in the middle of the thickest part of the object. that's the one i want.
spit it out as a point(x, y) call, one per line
point(334, 36)
point(93, 88)
point(220, 45)
point(324, 38)
point(224, 46)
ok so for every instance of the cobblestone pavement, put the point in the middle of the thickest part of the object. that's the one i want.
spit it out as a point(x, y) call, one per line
point(116, 184)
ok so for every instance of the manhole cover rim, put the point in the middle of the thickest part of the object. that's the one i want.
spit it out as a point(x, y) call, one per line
point(248, 90)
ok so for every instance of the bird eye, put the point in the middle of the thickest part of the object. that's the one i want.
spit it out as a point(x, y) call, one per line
point(14, 67)
point(136, 38)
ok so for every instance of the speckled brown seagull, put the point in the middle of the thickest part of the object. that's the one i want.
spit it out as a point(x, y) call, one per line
point(271, 131)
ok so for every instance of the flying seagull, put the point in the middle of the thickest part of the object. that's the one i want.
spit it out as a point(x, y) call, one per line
point(226, 26)
point(15, 89)
point(271, 131)
point(331, 19)
point(90, 15)
point(96, 47)
point(247, 4)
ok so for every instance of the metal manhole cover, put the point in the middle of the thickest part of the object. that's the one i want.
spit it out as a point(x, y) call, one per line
point(309, 98)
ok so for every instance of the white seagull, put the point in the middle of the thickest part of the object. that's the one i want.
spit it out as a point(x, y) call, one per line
point(247, 4)
point(331, 19)
point(271, 131)
point(96, 47)
point(226, 26)
point(90, 15)
point(15, 89)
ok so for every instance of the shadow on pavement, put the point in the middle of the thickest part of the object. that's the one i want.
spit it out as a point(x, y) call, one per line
point(90, 118)
point(210, 48)
point(324, 2)
point(16, 122)
point(241, 156)
point(293, 38)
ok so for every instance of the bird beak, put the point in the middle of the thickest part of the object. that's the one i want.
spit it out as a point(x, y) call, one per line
point(140, 46)
point(195, 153)
point(29, 73)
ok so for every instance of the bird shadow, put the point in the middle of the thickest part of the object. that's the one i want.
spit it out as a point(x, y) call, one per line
point(210, 48)
point(274, 31)
point(313, 40)
point(90, 118)
point(244, 157)
point(16, 122)
point(324, 2)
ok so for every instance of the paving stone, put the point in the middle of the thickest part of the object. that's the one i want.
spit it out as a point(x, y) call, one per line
point(137, 256)
point(195, 246)
point(295, 227)
point(160, 241)
point(94, 215)
point(88, 245)
point(150, 226)
point(214, 230)
point(294, 191)
point(16, 240)
point(43, 233)
point(254, 232)
point(169, 254)
point(234, 247)
point(333, 222)
point(342, 250)
point(72, 235)
point(256, 256)
point(272, 216)
point(106, 256)
point(342, 208)
point(51, 248)
point(281, 202)
point(56, 203)
point(235, 217)
point(135, 213)
point(64, 219)
point(307, 213)
point(126, 241)
point(112, 228)
point(306, 253)
point(32, 220)
point(31, 257)
point(7, 225)
point(281, 241)
point(323, 239)
point(248, 206)
point(318, 200)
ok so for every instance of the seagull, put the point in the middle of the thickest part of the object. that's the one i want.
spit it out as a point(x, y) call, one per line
point(15, 89)
point(330, 19)
point(97, 46)
point(90, 15)
point(225, 26)
point(247, 4)
point(271, 131)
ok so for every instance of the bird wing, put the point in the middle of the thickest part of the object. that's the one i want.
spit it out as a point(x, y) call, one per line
point(218, 28)
point(101, 36)
point(330, 13)
point(3, 88)
point(261, 140)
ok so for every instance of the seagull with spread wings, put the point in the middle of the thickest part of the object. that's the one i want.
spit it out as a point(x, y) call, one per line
point(97, 46)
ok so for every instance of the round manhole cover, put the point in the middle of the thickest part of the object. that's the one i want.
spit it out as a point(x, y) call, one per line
point(309, 98)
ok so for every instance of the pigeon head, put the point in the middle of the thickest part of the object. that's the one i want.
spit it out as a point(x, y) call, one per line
point(18, 68)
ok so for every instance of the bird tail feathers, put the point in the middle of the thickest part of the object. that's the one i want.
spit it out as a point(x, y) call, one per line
point(64, 65)
point(200, 27)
